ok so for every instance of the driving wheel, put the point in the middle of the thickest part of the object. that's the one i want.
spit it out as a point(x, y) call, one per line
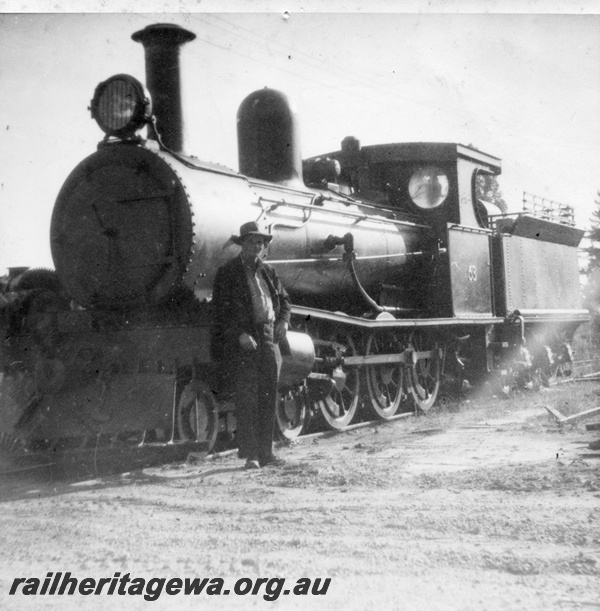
point(385, 381)
point(338, 408)
point(425, 372)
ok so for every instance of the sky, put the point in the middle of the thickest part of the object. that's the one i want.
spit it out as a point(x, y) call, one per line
point(524, 87)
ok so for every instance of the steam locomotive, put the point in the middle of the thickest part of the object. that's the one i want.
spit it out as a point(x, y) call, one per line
point(405, 285)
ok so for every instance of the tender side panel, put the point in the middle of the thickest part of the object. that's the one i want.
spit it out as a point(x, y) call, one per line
point(535, 275)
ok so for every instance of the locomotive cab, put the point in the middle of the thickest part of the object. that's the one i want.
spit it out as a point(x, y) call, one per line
point(432, 184)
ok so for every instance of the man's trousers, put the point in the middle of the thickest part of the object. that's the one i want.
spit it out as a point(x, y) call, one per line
point(256, 376)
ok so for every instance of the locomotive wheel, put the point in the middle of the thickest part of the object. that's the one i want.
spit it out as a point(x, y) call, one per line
point(425, 374)
point(197, 414)
point(531, 380)
point(385, 383)
point(339, 407)
point(546, 367)
point(292, 415)
point(548, 376)
point(504, 384)
point(550, 369)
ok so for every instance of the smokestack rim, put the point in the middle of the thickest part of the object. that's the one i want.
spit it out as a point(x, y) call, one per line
point(163, 33)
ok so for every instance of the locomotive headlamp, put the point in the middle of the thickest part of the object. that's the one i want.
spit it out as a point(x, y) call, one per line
point(428, 187)
point(121, 106)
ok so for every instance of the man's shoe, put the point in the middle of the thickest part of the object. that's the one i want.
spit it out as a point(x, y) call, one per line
point(272, 461)
point(252, 464)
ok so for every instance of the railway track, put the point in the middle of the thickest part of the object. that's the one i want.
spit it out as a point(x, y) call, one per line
point(97, 455)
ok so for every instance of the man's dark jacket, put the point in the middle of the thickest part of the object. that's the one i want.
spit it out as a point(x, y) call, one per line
point(232, 312)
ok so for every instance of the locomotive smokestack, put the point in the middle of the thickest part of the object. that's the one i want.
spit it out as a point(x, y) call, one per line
point(268, 143)
point(161, 44)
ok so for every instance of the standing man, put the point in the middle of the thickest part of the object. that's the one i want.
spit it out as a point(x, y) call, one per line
point(251, 313)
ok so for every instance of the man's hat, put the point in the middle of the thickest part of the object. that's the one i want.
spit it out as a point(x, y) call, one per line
point(250, 228)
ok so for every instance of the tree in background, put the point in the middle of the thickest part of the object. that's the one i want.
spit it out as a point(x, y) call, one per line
point(591, 291)
point(488, 190)
point(593, 235)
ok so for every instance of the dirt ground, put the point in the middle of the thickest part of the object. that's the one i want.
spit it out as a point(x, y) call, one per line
point(493, 506)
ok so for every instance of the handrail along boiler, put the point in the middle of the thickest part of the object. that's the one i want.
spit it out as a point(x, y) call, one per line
point(403, 282)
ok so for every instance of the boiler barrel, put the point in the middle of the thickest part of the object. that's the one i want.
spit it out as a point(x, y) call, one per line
point(130, 224)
